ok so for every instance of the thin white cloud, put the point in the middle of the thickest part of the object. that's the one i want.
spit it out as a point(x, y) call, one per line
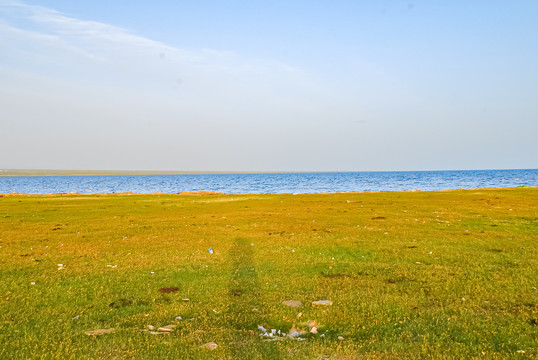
point(49, 36)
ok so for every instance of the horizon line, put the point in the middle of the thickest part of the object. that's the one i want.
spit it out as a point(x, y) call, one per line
point(72, 172)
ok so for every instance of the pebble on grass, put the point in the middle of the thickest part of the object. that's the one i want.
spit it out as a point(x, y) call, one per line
point(322, 303)
point(292, 303)
point(210, 345)
point(99, 331)
point(167, 328)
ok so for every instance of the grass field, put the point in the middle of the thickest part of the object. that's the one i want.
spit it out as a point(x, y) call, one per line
point(411, 275)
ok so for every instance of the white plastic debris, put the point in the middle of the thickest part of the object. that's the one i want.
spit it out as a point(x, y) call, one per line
point(262, 328)
point(210, 250)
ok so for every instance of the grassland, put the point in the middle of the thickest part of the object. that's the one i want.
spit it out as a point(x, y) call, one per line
point(411, 275)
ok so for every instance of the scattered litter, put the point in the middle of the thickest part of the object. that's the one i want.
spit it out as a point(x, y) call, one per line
point(158, 333)
point(292, 250)
point(322, 303)
point(210, 250)
point(314, 330)
point(322, 335)
point(418, 263)
point(153, 272)
point(32, 283)
point(185, 299)
point(462, 299)
point(112, 266)
point(210, 345)
point(520, 351)
point(60, 266)
point(151, 327)
point(178, 318)
point(299, 315)
point(292, 303)
point(262, 328)
point(99, 331)
point(76, 317)
point(340, 338)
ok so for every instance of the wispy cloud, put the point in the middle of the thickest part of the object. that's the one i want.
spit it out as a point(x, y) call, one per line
point(44, 38)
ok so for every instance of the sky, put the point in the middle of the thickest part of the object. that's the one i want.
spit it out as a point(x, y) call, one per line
point(268, 85)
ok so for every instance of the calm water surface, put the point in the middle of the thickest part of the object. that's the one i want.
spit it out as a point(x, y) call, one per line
point(272, 183)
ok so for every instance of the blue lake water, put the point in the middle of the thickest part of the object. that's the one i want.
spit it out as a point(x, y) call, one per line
point(273, 183)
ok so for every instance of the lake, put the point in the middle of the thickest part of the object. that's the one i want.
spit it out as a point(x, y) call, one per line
point(272, 183)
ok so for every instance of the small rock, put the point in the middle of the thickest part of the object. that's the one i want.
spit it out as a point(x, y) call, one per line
point(210, 345)
point(167, 328)
point(292, 303)
point(99, 331)
point(322, 303)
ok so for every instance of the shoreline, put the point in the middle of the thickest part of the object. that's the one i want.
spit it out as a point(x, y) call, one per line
point(215, 193)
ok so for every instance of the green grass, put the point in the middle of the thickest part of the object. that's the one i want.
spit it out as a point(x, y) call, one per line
point(412, 275)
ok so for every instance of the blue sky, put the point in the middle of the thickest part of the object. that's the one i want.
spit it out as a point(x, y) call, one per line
point(269, 85)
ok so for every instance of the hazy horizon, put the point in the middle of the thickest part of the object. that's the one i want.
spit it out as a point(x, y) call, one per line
point(268, 86)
